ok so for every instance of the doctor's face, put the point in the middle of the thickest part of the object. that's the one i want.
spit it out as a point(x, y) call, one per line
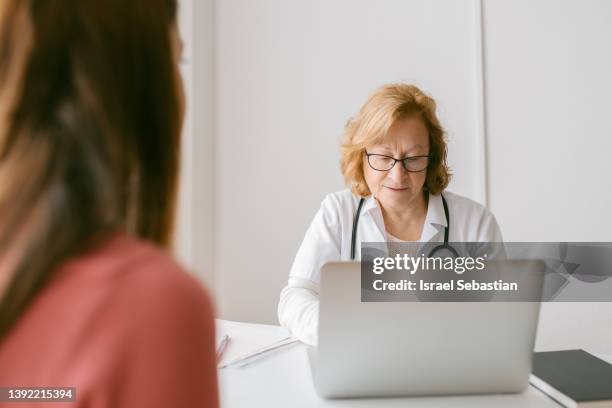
point(408, 137)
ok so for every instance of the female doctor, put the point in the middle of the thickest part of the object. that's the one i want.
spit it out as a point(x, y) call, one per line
point(394, 160)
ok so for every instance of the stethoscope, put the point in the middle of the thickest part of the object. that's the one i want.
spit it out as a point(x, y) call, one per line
point(441, 247)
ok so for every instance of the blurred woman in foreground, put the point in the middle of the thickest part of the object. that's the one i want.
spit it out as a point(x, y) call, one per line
point(91, 107)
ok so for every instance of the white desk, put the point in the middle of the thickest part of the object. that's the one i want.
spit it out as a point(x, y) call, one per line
point(283, 379)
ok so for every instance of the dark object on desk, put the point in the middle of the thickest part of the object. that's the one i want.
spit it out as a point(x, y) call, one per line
point(574, 378)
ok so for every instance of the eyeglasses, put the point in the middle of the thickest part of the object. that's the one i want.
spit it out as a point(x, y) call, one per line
point(414, 164)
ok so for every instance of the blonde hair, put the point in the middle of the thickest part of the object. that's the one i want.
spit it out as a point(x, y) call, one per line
point(385, 106)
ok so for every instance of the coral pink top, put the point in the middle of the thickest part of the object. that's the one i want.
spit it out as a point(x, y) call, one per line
point(125, 325)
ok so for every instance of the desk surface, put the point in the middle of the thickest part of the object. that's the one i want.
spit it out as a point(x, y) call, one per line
point(283, 379)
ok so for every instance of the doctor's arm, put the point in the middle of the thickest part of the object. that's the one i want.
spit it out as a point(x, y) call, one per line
point(298, 307)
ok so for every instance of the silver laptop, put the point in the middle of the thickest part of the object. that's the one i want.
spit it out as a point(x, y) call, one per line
point(386, 349)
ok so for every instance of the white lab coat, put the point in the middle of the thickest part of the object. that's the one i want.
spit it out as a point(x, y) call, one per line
point(329, 239)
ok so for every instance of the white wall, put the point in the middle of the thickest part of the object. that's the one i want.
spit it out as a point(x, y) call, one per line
point(549, 103)
point(549, 134)
point(203, 157)
point(194, 229)
point(184, 227)
point(278, 79)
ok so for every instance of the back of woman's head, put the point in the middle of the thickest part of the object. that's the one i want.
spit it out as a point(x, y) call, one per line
point(89, 131)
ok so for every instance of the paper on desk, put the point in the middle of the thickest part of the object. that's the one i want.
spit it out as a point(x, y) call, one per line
point(246, 338)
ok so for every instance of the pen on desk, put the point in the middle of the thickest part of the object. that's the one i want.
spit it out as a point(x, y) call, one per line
point(222, 347)
point(250, 357)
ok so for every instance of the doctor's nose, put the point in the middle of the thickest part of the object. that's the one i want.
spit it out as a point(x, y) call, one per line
point(398, 173)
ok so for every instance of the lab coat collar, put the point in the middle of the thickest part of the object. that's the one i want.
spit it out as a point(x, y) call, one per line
point(435, 220)
point(370, 204)
point(435, 211)
point(372, 209)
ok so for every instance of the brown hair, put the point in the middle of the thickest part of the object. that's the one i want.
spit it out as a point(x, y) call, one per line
point(91, 144)
point(385, 106)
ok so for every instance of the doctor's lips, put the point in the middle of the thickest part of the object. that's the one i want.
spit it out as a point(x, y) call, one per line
point(396, 188)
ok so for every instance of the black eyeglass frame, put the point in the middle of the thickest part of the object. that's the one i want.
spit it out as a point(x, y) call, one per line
point(404, 161)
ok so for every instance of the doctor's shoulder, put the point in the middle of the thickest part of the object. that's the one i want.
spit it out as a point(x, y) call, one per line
point(341, 204)
point(481, 220)
point(336, 213)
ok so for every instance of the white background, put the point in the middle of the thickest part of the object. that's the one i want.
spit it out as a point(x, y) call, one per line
point(523, 87)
